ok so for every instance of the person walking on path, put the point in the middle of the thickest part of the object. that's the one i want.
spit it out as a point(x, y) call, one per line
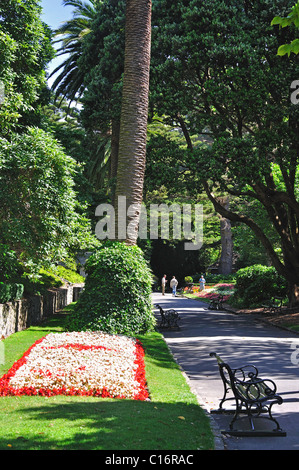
point(202, 283)
point(163, 284)
point(173, 285)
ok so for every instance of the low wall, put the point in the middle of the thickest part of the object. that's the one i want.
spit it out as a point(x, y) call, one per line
point(20, 314)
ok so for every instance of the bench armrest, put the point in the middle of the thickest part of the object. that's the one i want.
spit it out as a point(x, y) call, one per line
point(257, 390)
point(248, 370)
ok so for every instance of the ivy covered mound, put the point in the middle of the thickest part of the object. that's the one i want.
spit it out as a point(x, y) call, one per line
point(117, 294)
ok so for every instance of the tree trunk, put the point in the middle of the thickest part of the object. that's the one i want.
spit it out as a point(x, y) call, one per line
point(289, 267)
point(226, 258)
point(114, 148)
point(134, 114)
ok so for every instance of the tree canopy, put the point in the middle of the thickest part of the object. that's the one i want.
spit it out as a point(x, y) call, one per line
point(41, 218)
point(221, 94)
point(218, 72)
point(22, 36)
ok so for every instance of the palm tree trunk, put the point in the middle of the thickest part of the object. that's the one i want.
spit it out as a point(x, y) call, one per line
point(134, 114)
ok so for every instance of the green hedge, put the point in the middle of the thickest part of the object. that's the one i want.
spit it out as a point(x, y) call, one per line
point(117, 294)
point(257, 283)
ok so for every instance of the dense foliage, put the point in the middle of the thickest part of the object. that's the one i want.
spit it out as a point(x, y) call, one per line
point(226, 83)
point(42, 220)
point(10, 292)
point(38, 217)
point(22, 35)
point(221, 123)
point(258, 283)
point(117, 293)
point(291, 19)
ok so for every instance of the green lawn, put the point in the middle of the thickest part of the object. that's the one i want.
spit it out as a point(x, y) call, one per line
point(172, 420)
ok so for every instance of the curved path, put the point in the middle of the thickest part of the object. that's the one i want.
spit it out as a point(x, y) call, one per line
point(239, 339)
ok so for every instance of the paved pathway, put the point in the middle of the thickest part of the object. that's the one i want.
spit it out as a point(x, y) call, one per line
point(239, 339)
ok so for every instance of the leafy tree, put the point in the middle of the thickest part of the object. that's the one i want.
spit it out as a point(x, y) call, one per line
point(22, 35)
point(93, 41)
point(168, 180)
point(39, 216)
point(218, 65)
point(291, 19)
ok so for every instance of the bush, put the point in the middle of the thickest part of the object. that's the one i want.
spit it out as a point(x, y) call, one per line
point(218, 278)
point(69, 275)
point(117, 294)
point(257, 283)
point(38, 284)
point(48, 279)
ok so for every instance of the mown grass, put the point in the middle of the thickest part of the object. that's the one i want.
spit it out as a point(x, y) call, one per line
point(172, 420)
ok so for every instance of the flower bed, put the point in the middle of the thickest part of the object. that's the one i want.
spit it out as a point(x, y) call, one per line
point(79, 363)
point(211, 292)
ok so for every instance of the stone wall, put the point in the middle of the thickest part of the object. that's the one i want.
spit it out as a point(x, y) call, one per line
point(20, 314)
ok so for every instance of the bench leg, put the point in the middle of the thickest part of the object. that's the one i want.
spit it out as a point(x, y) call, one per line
point(251, 414)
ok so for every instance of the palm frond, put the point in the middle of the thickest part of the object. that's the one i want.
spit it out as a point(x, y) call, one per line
point(69, 83)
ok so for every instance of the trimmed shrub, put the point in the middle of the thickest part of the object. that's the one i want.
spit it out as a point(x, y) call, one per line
point(257, 283)
point(117, 294)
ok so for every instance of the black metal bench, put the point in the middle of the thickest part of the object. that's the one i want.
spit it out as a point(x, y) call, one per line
point(216, 303)
point(273, 305)
point(189, 288)
point(253, 397)
point(169, 318)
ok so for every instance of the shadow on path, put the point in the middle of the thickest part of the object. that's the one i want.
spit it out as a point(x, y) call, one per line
point(239, 339)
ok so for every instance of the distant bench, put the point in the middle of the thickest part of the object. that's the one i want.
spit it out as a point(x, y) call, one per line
point(169, 318)
point(216, 303)
point(273, 305)
point(253, 396)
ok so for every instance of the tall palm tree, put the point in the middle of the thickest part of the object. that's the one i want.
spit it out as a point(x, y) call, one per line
point(70, 82)
point(134, 114)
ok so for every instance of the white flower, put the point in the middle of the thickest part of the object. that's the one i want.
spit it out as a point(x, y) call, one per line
point(81, 361)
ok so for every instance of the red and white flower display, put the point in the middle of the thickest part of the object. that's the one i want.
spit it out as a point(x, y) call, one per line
point(79, 363)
